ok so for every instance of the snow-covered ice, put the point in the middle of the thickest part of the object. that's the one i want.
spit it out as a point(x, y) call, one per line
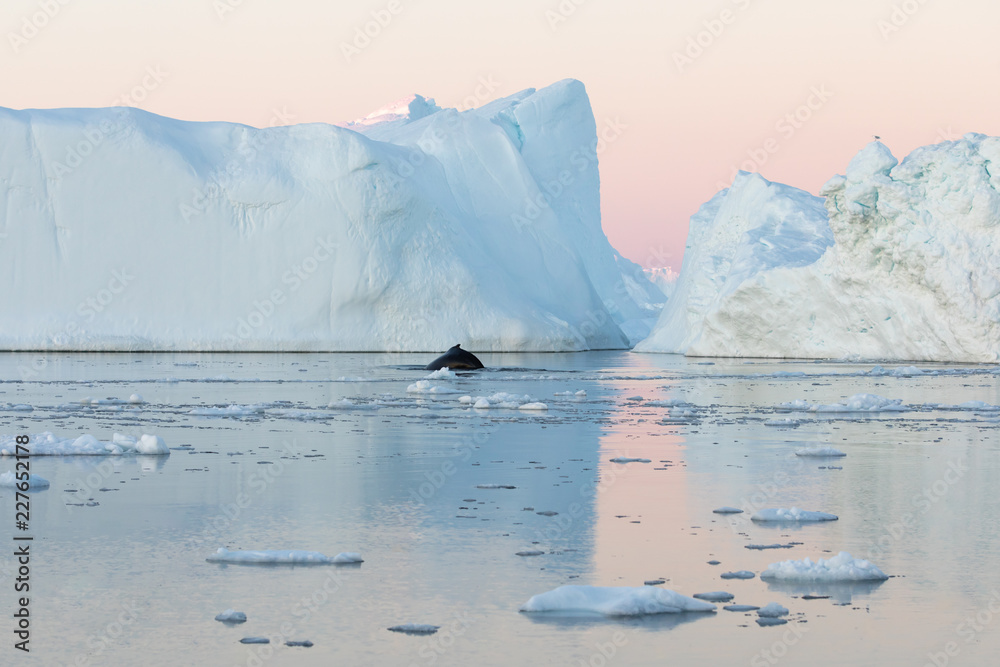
point(425, 387)
point(899, 263)
point(772, 610)
point(48, 444)
point(792, 514)
point(819, 452)
point(292, 557)
point(838, 569)
point(854, 403)
point(614, 601)
point(232, 616)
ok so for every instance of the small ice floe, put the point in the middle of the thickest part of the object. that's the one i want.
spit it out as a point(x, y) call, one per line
point(765, 621)
point(634, 398)
point(783, 423)
point(655, 582)
point(772, 610)
point(281, 557)
point(789, 515)
point(19, 407)
point(764, 547)
point(740, 607)
point(442, 374)
point(304, 643)
point(232, 616)
point(819, 452)
point(255, 640)
point(667, 403)
point(530, 552)
point(136, 399)
point(546, 513)
point(838, 569)
point(501, 400)
point(230, 411)
point(715, 596)
point(578, 394)
point(415, 629)
point(625, 459)
point(47, 444)
point(534, 407)
point(495, 486)
point(740, 574)
point(9, 480)
point(856, 403)
point(425, 387)
point(727, 510)
point(903, 371)
point(614, 601)
point(978, 406)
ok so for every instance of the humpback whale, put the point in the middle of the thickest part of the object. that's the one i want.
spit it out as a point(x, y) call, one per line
point(455, 359)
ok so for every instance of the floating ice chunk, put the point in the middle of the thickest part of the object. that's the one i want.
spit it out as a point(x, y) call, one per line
point(229, 411)
point(819, 452)
point(232, 616)
point(581, 393)
point(772, 610)
point(255, 640)
point(305, 643)
point(425, 387)
point(530, 552)
point(19, 407)
point(727, 510)
point(48, 444)
point(415, 629)
point(280, 557)
point(503, 400)
point(625, 459)
point(614, 601)
point(797, 405)
point(783, 423)
point(765, 621)
point(667, 403)
point(347, 557)
point(9, 480)
point(740, 574)
point(534, 407)
point(495, 486)
point(791, 514)
point(840, 568)
point(482, 404)
point(856, 403)
point(975, 405)
point(152, 445)
point(715, 596)
point(442, 374)
point(740, 607)
point(135, 399)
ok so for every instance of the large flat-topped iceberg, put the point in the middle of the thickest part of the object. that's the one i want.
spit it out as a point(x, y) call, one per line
point(127, 230)
point(902, 265)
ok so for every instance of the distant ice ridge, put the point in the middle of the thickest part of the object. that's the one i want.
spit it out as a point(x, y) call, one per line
point(614, 601)
point(433, 227)
point(48, 444)
point(902, 264)
point(840, 568)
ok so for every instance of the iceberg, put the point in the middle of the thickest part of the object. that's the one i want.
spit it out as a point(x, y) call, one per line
point(898, 262)
point(614, 601)
point(417, 229)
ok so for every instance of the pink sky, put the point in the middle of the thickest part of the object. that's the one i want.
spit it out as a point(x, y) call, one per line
point(913, 72)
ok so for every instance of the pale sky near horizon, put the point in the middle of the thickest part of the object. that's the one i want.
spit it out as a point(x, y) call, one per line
point(914, 72)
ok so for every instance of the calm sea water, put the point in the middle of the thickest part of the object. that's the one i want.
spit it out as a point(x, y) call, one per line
point(118, 569)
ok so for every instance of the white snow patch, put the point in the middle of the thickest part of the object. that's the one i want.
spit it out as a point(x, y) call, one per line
point(793, 514)
point(840, 568)
point(614, 601)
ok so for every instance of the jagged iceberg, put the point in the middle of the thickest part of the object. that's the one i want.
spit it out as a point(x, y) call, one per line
point(901, 264)
point(415, 229)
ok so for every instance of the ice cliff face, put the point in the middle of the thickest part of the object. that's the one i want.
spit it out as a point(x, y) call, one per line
point(126, 230)
point(904, 266)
